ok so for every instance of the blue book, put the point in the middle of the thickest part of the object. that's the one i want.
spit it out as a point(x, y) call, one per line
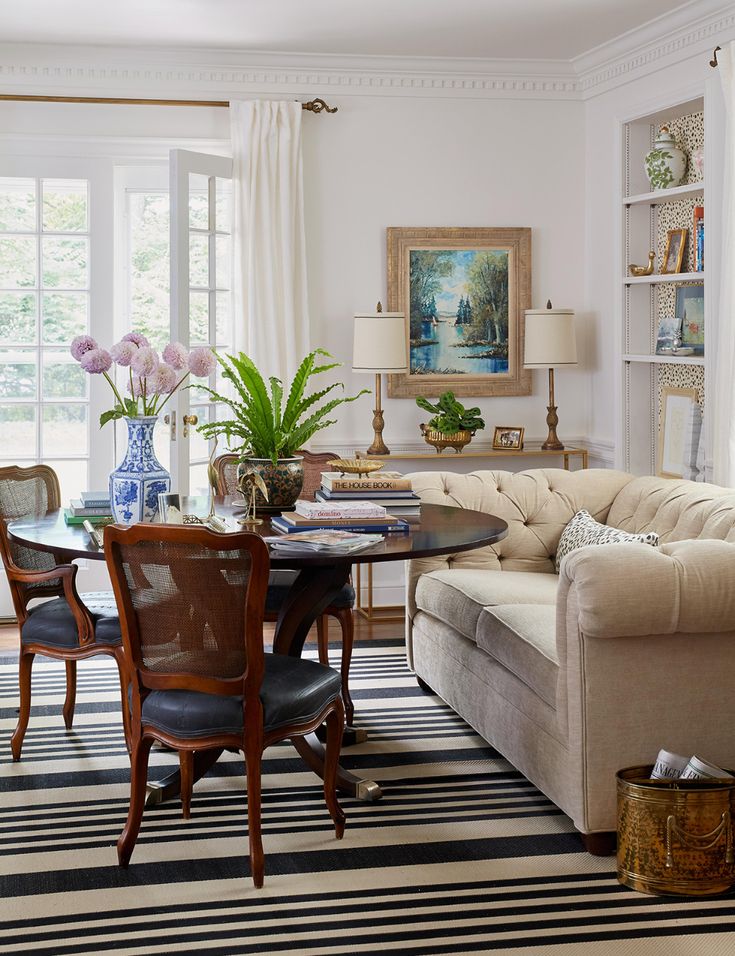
point(278, 524)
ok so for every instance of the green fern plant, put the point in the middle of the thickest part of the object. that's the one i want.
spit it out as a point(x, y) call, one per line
point(450, 416)
point(261, 426)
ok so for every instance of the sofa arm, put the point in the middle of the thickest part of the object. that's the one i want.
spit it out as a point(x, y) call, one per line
point(630, 590)
point(414, 570)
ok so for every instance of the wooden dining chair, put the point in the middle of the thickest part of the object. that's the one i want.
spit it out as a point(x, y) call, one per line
point(279, 584)
point(69, 627)
point(191, 608)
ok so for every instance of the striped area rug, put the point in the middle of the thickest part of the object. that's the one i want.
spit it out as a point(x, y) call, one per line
point(462, 854)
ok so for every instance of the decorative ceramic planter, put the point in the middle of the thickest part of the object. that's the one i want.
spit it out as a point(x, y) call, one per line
point(440, 441)
point(139, 478)
point(283, 480)
point(666, 163)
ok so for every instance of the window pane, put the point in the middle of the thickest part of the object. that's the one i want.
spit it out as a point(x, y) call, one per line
point(198, 484)
point(18, 318)
point(65, 315)
point(17, 205)
point(224, 261)
point(18, 373)
point(64, 263)
point(17, 262)
point(199, 261)
point(224, 318)
point(64, 430)
point(224, 205)
point(72, 477)
point(18, 428)
point(198, 201)
point(198, 318)
point(64, 205)
point(149, 266)
point(63, 377)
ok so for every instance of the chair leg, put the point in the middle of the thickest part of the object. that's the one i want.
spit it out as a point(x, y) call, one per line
point(253, 759)
point(347, 622)
point(71, 693)
point(335, 725)
point(322, 638)
point(138, 780)
point(24, 690)
point(186, 765)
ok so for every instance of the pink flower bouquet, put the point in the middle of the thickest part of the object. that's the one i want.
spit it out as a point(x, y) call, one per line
point(153, 378)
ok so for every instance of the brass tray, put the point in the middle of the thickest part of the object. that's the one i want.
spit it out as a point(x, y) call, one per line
point(356, 466)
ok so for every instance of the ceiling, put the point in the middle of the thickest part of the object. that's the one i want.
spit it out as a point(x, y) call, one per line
point(486, 29)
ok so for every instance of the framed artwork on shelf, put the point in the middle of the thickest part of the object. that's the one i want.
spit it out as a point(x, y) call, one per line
point(677, 417)
point(668, 336)
point(674, 251)
point(690, 312)
point(465, 291)
point(508, 437)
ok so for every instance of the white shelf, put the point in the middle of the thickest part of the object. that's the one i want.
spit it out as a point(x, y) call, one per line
point(666, 359)
point(660, 196)
point(668, 277)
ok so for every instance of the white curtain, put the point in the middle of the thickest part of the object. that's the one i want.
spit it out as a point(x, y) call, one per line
point(723, 445)
point(270, 301)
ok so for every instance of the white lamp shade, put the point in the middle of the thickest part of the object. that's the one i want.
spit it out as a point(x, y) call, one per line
point(549, 338)
point(380, 342)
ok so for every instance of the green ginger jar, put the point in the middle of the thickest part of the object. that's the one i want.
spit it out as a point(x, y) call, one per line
point(666, 163)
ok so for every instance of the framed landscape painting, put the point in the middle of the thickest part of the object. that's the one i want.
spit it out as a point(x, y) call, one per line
point(464, 292)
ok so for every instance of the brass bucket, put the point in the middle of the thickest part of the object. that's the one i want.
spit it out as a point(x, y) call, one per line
point(675, 837)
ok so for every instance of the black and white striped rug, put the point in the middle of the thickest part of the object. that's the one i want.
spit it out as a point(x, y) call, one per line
point(462, 854)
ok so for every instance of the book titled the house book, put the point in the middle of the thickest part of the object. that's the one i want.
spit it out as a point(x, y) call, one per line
point(334, 481)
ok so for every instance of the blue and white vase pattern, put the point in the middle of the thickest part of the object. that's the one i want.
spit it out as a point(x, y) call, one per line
point(139, 478)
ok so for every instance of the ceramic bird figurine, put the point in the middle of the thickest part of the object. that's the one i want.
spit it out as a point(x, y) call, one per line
point(250, 483)
point(643, 270)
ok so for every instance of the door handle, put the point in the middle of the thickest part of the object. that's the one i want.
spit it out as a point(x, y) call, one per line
point(189, 420)
point(170, 420)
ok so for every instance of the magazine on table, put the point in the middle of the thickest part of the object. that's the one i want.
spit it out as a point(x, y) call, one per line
point(343, 542)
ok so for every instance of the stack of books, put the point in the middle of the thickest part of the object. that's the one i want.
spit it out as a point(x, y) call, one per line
point(358, 516)
point(337, 541)
point(93, 506)
point(388, 489)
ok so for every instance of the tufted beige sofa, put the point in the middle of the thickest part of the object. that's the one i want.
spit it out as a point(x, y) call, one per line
point(571, 677)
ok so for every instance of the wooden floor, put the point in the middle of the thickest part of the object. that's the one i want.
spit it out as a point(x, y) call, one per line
point(364, 631)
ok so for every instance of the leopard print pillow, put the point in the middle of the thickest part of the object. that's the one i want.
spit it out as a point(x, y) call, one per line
point(583, 530)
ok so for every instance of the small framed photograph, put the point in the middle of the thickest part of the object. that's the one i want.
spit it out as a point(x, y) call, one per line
point(169, 509)
point(674, 251)
point(508, 438)
point(690, 311)
point(668, 336)
point(676, 421)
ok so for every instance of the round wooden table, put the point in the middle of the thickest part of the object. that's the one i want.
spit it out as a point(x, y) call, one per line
point(439, 530)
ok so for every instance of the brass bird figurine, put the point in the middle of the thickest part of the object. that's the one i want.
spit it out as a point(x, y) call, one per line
point(643, 270)
point(249, 484)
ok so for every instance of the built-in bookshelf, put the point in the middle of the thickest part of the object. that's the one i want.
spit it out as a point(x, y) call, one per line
point(647, 217)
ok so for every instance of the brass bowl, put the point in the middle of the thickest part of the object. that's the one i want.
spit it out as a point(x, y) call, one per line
point(440, 441)
point(356, 466)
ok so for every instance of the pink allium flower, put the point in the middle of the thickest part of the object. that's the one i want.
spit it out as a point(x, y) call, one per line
point(95, 361)
point(202, 362)
point(82, 344)
point(176, 355)
point(137, 338)
point(145, 361)
point(123, 352)
point(163, 381)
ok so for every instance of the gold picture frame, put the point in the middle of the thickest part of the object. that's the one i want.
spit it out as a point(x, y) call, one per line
point(674, 251)
point(464, 292)
point(672, 430)
point(508, 438)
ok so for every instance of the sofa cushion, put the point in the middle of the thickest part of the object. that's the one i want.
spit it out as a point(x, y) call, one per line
point(583, 530)
point(522, 637)
point(457, 596)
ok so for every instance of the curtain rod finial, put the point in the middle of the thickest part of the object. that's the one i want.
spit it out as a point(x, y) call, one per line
point(713, 61)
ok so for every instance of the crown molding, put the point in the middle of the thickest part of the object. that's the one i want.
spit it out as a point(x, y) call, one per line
point(690, 31)
point(214, 74)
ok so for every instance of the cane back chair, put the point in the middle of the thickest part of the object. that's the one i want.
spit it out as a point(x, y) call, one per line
point(280, 581)
point(191, 609)
point(70, 627)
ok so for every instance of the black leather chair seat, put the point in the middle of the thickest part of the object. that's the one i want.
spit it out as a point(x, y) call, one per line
point(53, 623)
point(292, 689)
point(279, 584)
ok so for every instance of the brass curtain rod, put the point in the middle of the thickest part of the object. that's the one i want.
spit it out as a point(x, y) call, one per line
point(713, 61)
point(313, 106)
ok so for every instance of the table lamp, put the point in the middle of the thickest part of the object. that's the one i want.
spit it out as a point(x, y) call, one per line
point(380, 344)
point(550, 342)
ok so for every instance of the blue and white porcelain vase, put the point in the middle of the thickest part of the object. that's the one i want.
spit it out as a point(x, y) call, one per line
point(139, 478)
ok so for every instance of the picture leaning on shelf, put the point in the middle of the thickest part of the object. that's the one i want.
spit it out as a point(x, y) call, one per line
point(690, 311)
